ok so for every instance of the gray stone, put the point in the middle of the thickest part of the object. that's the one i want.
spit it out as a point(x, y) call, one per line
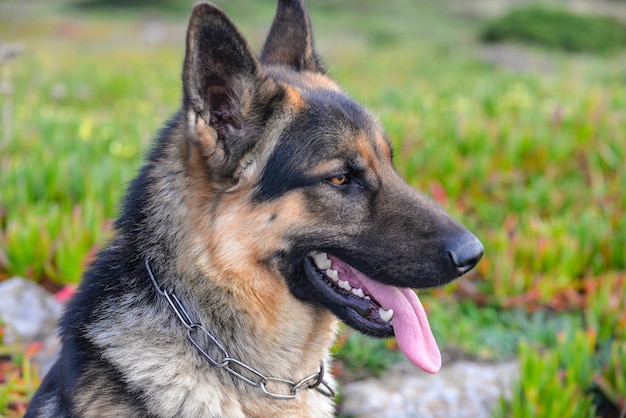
point(45, 358)
point(28, 312)
point(462, 390)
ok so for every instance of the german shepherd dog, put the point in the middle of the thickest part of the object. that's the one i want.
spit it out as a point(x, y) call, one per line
point(267, 209)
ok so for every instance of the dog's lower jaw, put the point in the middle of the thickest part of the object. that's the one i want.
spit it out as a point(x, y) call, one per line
point(368, 306)
point(360, 312)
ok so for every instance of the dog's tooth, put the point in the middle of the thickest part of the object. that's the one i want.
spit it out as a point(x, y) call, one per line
point(344, 285)
point(333, 274)
point(358, 292)
point(367, 297)
point(385, 315)
point(321, 260)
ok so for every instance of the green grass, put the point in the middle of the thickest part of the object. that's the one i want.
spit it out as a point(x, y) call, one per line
point(559, 29)
point(533, 163)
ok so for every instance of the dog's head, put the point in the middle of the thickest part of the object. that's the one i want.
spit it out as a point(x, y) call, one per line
point(301, 182)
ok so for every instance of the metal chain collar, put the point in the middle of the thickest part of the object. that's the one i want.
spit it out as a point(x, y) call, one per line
point(235, 367)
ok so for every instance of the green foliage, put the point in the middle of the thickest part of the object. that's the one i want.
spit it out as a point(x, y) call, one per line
point(65, 165)
point(558, 29)
point(359, 356)
point(162, 5)
point(554, 383)
point(611, 381)
point(491, 333)
point(572, 365)
point(606, 307)
point(18, 380)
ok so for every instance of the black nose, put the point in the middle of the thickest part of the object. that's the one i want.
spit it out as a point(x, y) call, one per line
point(465, 252)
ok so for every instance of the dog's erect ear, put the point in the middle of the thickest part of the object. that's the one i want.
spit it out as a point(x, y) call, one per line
point(290, 41)
point(220, 72)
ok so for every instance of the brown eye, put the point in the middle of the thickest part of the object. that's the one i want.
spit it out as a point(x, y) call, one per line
point(339, 180)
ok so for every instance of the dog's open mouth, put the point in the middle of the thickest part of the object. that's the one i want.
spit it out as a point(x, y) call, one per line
point(375, 308)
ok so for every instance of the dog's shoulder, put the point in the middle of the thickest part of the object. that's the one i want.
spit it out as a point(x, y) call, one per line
point(49, 400)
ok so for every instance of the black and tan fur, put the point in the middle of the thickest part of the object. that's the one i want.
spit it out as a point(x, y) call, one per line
point(238, 189)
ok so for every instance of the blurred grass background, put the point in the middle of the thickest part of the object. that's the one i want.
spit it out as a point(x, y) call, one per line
point(525, 144)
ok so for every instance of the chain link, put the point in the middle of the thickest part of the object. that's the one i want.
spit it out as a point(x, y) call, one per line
point(240, 370)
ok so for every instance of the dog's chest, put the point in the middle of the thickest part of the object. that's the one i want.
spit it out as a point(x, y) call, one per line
point(175, 382)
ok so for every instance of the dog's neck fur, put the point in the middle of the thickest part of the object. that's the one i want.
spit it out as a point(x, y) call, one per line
point(268, 338)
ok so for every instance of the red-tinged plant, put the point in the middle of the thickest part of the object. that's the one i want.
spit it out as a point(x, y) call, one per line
point(19, 379)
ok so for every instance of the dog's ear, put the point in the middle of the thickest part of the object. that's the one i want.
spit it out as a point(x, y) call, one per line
point(222, 85)
point(290, 41)
point(218, 66)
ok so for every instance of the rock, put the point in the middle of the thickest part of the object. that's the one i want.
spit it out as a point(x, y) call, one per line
point(153, 32)
point(45, 358)
point(9, 51)
point(462, 389)
point(28, 313)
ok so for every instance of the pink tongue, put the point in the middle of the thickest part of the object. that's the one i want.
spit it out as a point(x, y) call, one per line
point(410, 323)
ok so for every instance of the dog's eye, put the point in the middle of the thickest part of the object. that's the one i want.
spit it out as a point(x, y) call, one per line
point(339, 180)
